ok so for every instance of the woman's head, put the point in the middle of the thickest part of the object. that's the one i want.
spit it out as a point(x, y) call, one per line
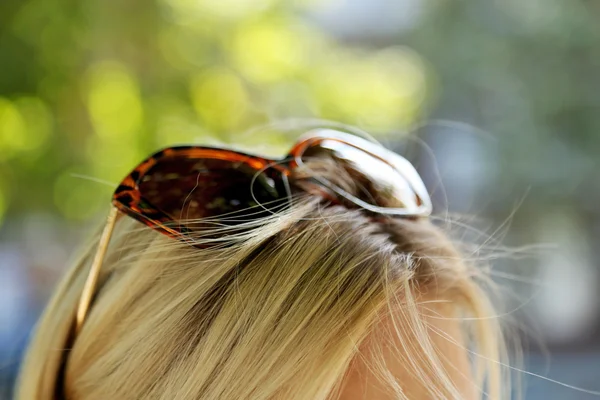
point(316, 301)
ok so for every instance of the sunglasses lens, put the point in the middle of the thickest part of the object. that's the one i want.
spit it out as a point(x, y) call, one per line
point(384, 180)
point(190, 191)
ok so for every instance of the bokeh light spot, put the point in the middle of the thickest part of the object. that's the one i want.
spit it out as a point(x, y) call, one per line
point(220, 98)
point(193, 11)
point(13, 130)
point(383, 91)
point(113, 101)
point(272, 49)
point(38, 121)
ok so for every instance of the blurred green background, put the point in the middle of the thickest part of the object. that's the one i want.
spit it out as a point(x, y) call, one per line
point(503, 98)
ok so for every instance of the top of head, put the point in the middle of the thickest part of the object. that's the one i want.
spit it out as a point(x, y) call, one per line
point(285, 310)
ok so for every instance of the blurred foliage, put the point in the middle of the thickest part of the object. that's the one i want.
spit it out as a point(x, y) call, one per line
point(89, 88)
point(526, 72)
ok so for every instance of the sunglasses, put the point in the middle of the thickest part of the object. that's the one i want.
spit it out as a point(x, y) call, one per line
point(177, 190)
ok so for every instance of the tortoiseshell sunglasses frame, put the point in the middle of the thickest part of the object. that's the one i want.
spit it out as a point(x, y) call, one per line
point(128, 200)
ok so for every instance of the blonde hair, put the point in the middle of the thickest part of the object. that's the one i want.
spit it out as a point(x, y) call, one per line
point(277, 310)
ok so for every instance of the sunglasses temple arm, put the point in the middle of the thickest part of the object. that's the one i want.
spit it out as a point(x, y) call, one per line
point(90, 283)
